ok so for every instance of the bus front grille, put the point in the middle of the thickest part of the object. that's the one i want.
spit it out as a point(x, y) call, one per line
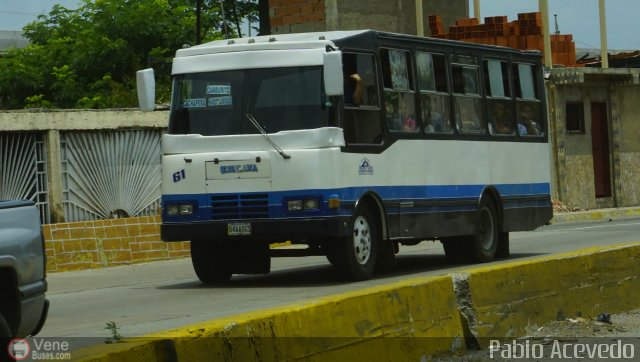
point(239, 206)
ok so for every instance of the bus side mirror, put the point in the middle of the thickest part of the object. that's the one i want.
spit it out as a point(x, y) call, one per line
point(333, 82)
point(146, 86)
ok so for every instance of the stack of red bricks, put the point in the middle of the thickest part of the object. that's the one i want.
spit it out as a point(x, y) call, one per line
point(524, 33)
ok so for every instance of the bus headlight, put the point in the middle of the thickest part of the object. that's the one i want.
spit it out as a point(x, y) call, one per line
point(303, 204)
point(186, 209)
point(172, 210)
point(180, 209)
point(294, 205)
point(310, 204)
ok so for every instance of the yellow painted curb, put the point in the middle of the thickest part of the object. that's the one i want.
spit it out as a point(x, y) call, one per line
point(511, 300)
point(409, 320)
point(373, 323)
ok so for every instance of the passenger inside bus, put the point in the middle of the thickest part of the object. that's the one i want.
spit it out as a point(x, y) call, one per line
point(399, 112)
point(526, 124)
point(500, 119)
point(408, 120)
point(353, 90)
point(394, 122)
point(435, 115)
point(409, 124)
point(467, 118)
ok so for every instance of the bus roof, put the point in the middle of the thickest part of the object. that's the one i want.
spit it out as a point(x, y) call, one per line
point(352, 38)
point(279, 41)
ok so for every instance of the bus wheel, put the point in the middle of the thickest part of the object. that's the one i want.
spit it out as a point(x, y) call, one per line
point(503, 245)
point(356, 254)
point(485, 240)
point(210, 262)
point(455, 249)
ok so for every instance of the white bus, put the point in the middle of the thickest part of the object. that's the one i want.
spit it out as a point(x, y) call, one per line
point(352, 143)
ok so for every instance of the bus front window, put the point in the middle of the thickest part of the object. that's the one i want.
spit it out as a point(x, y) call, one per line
point(281, 99)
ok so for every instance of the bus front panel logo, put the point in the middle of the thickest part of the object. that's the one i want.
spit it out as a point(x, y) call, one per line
point(365, 167)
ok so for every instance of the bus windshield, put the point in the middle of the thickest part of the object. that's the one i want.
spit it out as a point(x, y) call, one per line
point(280, 99)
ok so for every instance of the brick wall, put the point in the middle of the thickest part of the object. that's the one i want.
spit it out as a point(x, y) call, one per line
point(293, 12)
point(104, 243)
point(524, 33)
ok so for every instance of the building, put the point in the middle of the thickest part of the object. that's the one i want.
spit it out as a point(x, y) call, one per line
point(594, 119)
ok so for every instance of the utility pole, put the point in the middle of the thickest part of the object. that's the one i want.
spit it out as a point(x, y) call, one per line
point(224, 19)
point(265, 23)
point(543, 5)
point(198, 16)
point(604, 54)
point(419, 19)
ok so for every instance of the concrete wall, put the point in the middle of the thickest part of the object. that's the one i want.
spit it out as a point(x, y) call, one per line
point(81, 119)
point(629, 158)
point(578, 186)
point(293, 16)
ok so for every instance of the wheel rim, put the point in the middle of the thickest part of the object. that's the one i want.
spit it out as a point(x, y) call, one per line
point(362, 239)
point(487, 229)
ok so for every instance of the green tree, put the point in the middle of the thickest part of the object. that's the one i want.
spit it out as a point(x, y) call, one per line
point(88, 57)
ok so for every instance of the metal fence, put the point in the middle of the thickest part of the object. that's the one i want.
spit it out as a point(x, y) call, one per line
point(23, 169)
point(110, 174)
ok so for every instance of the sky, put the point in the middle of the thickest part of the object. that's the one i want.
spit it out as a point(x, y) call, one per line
point(577, 17)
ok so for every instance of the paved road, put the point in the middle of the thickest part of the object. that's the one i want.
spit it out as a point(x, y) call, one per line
point(156, 296)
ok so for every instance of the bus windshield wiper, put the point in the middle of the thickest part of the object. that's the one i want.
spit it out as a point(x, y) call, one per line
point(264, 133)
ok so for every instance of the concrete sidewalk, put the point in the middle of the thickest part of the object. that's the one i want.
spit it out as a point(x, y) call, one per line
point(596, 214)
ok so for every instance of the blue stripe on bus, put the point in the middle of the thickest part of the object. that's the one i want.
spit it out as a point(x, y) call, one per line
point(348, 196)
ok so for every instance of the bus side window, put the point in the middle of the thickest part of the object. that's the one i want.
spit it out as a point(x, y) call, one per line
point(399, 97)
point(466, 94)
point(529, 106)
point(434, 92)
point(362, 123)
point(499, 99)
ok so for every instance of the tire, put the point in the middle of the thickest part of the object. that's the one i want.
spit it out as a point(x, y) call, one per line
point(5, 330)
point(356, 255)
point(456, 249)
point(503, 245)
point(210, 262)
point(332, 252)
point(386, 258)
point(485, 240)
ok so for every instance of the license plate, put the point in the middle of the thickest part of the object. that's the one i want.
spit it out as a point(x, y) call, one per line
point(238, 228)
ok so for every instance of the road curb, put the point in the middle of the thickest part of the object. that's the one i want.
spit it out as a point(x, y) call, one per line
point(517, 298)
point(409, 320)
point(595, 215)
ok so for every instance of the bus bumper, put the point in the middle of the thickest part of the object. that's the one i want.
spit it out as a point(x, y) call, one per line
point(264, 230)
